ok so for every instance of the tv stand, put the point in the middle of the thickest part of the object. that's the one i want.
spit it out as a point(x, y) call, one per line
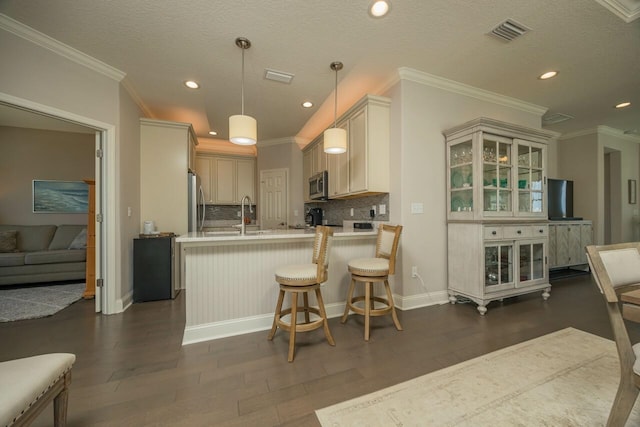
point(572, 218)
point(567, 239)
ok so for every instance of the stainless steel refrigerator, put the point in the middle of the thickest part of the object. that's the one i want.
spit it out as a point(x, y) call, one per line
point(196, 203)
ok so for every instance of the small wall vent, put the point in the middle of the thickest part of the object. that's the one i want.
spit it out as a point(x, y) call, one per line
point(509, 30)
point(553, 118)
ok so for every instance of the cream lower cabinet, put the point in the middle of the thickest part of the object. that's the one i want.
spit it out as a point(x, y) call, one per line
point(490, 262)
point(567, 241)
point(225, 179)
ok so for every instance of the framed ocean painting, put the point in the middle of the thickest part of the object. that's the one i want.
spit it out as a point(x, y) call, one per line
point(60, 196)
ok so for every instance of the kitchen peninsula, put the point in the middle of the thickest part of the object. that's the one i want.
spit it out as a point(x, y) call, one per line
point(229, 278)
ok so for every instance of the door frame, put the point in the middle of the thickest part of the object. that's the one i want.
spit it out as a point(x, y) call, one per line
point(106, 190)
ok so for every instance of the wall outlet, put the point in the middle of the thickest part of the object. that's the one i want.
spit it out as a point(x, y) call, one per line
point(351, 212)
point(295, 212)
point(129, 211)
point(239, 214)
point(382, 209)
point(414, 271)
point(417, 208)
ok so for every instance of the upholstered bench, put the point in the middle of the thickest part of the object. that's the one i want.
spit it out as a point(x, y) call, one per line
point(28, 385)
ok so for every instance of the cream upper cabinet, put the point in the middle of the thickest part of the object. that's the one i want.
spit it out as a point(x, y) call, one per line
point(193, 142)
point(338, 169)
point(364, 169)
point(246, 179)
point(165, 152)
point(226, 179)
point(314, 161)
point(204, 170)
point(496, 171)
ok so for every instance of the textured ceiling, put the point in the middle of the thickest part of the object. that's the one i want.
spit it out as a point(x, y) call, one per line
point(161, 43)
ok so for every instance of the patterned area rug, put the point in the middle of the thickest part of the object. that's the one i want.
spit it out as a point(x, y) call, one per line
point(567, 378)
point(37, 301)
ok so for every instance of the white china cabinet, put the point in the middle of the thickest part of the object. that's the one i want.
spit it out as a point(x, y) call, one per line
point(496, 211)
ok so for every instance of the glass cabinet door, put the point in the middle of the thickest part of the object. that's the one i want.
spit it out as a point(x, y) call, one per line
point(530, 177)
point(461, 176)
point(532, 263)
point(496, 174)
point(498, 266)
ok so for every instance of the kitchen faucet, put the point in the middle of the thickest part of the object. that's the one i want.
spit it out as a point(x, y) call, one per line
point(242, 225)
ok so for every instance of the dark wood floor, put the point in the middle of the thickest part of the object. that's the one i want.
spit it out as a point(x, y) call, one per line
point(131, 369)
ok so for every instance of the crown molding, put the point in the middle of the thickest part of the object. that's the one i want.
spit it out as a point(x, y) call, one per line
point(466, 90)
point(277, 141)
point(601, 130)
point(53, 45)
point(126, 84)
point(627, 10)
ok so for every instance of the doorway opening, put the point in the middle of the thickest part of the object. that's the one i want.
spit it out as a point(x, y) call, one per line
point(104, 185)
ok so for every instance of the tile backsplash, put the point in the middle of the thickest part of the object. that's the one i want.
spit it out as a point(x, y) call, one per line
point(336, 211)
point(227, 212)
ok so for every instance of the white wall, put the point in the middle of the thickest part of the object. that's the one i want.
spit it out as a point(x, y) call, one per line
point(419, 114)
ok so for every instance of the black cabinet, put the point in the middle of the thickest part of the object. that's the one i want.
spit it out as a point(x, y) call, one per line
point(153, 269)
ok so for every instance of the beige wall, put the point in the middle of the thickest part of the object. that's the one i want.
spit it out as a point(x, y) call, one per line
point(28, 154)
point(39, 76)
point(581, 158)
point(419, 115)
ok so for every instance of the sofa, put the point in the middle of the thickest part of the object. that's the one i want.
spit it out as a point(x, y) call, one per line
point(42, 253)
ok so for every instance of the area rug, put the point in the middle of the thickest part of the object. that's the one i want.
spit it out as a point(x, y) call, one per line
point(37, 301)
point(567, 378)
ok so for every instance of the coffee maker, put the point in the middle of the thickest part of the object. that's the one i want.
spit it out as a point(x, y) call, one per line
point(314, 217)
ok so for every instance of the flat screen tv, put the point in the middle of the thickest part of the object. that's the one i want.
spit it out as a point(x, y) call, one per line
point(560, 199)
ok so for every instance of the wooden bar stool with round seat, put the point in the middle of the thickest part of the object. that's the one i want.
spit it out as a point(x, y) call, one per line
point(302, 279)
point(374, 270)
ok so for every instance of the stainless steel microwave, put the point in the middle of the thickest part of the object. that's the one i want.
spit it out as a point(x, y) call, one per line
point(319, 186)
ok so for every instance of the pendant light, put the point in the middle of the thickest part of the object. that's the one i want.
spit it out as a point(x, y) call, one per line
point(242, 129)
point(335, 138)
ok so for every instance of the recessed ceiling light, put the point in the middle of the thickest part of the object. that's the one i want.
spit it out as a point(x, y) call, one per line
point(307, 104)
point(213, 132)
point(548, 75)
point(623, 104)
point(191, 84)
point(379, 8)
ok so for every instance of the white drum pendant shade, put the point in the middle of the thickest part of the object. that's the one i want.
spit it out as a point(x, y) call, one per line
point(242, 130)
point(335, 141)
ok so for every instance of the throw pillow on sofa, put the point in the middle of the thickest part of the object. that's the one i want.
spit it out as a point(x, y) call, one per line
point(80, 241)
point(8, 241)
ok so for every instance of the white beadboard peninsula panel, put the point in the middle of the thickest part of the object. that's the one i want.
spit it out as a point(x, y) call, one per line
point(231, 287)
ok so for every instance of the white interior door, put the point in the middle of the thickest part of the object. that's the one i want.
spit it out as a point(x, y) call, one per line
point(274, 200)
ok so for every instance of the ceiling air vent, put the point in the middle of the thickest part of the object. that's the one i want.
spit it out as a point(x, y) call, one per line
point(553, 118)
point(278, 76)
point(509, 30)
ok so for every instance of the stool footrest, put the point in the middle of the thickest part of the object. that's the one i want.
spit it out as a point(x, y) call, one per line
point(372, 311)
point(300, 327)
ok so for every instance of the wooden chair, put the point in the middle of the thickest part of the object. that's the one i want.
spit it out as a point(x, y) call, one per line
point(302, 279)
point(616, 270)
point(374, 270)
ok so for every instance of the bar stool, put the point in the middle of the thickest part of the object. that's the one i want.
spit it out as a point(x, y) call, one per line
point(302, 279)
point(374, 270)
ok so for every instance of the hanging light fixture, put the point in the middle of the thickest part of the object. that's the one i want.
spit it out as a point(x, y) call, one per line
point(242, 129)
point(335, 138)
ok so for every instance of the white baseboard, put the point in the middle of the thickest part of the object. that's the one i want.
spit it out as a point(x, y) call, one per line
point(228, 328)
point(124, 303)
